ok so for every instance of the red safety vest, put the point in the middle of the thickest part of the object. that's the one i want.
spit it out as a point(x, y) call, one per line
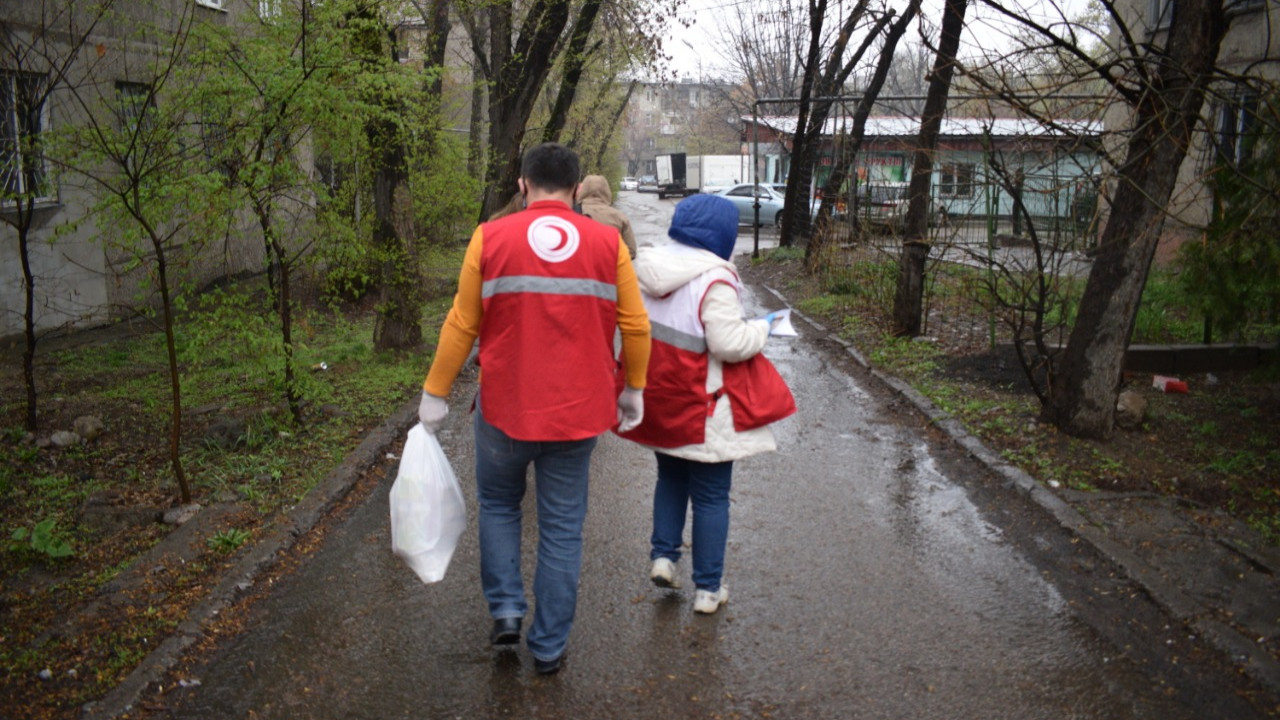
point(550, 295)
point(677, 404)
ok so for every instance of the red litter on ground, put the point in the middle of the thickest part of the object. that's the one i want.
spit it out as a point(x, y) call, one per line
point(1168, 384)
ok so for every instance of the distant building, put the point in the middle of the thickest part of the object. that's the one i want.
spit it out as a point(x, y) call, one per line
point(80, 279)
point(686, 116)
point(1055, 164)
point(1250, 56)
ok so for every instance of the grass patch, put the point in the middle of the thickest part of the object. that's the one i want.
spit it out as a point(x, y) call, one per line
point(1214, 447)
point(231, 371)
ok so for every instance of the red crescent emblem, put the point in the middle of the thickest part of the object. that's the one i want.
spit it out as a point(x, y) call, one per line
point(564, 239)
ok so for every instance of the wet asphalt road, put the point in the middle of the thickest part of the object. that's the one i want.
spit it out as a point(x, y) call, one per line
point(864, 583)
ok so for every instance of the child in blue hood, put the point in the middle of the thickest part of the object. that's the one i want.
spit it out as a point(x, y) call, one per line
point(703, 354)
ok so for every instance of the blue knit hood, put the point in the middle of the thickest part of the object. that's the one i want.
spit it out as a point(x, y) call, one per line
point(709, 222)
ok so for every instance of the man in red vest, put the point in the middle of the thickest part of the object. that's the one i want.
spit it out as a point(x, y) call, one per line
point(544, 290)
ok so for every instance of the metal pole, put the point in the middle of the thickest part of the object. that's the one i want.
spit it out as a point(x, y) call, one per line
point(993, 204)
point(755, 175)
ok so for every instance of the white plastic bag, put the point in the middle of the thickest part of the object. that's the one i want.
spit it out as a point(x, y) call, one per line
point(427, 510)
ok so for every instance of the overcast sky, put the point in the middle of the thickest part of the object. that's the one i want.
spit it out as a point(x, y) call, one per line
point(693, 49)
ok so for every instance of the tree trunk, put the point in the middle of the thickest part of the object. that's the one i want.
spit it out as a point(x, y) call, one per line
point(800, 173)
point(281, 296)
point(437, 44)
point(1087, 383)
point(475, 143)
point(285, 308)
point(520, 70)
point(908, 301)
point(399, 322)
point(575, 59)
point(175, 377)
point(28, 313)
point(796, 221)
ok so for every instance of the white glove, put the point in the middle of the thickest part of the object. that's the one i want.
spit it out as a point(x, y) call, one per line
point(432, 411)
point(630, 409)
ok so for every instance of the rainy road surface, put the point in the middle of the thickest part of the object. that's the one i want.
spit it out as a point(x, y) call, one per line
point(864, 583)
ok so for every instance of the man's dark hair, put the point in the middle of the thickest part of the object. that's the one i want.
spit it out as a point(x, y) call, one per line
point(550, 166)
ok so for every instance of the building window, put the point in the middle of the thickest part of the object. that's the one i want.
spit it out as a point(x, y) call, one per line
point(215, 4)
point(136, 105)
point(1237, 128)
point(1234, 7)
point(215, 138)
point(955, 180)
point(136, 109)
point(1159, 14)
point(22, 168)
point(268, 9)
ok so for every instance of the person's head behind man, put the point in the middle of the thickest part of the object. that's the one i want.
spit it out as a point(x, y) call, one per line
point(551, 168)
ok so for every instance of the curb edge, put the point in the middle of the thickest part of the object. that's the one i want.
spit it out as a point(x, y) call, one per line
point(282, 536)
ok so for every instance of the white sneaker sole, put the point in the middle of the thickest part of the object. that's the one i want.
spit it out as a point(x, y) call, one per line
point(707, 603)
point(662, 575)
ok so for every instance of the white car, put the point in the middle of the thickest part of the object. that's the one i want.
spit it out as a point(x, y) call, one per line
point(628, 183)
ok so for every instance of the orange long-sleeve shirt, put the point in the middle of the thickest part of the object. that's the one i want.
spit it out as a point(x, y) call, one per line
point(462, 326)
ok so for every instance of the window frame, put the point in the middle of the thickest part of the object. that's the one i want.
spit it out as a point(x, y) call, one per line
point(1159, 14)
point(14, 172)
point(130, 96)
point(956, 179)
point(1235, 136)
point(135, 106)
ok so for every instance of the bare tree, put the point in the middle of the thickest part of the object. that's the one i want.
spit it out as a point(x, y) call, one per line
point(607, 134)
point(907, 303)
point(1028, 296)
point(574, 61)
point(1166, 113)
point(824, 81)
point(764, 45)
point(37, 59)
point(1161, 77)
point(517, 46)
point(136, 150)
point(818, 241)
point(908, 79)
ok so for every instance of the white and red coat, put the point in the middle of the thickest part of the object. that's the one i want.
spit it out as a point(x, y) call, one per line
point(696, 404)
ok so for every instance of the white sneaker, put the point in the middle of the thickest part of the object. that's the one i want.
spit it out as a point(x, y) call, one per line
point(663, 573)
point(707, 602)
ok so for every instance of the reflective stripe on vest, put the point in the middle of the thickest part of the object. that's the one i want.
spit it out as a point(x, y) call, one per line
point(550, 286)
point(677, 338)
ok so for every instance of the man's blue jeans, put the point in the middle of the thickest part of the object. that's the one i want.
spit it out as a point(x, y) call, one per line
point(560, 481)
point(705, 486)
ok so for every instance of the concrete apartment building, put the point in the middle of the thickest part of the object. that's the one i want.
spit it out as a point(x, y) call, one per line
point(1249, 63)
point(80, 278)
point(695, 117)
